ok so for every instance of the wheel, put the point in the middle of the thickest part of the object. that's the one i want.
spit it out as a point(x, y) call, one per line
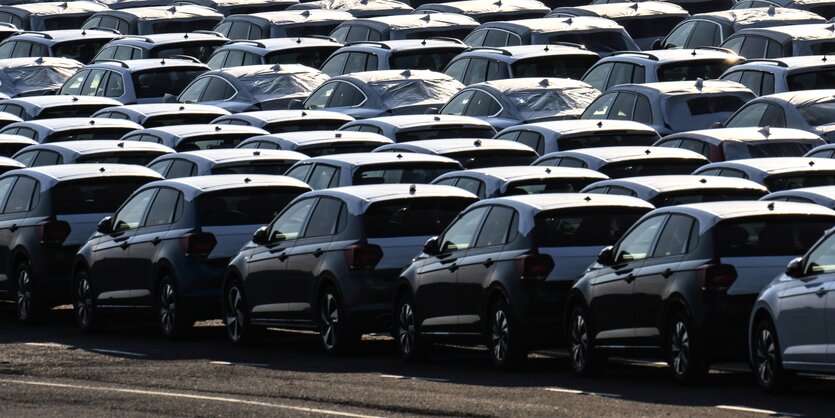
point(172, 321)
point(688, 359)
point(28, 309)
point(584, 359)
point(236, 316)
point(86, 315)
point(335, 331)
point(507, 351)
point(768, 366)
point(407, 331)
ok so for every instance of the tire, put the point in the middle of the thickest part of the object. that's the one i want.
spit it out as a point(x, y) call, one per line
point(236, 316)
point(585, 360)
point(335, 331)
point(27, 306)
point(507, 349)
point(173, 322)
point(767, 364)
point(688, 358)
point(406, 332)
point(87, 317)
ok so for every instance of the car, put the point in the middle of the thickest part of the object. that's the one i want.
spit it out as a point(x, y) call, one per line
point(100, 151)
point(80, 45)
point(480, 64)
point(808, 110)
point(692, 6)
point(224, 161)
point(181, 235)
point(502, 269)
point(195, 137)
point(511, 102)
point(820, 7)
point(7, 119)
point(779, 75)
point(372, 94)
point(162, 114)
point(663, 65)
point(711, 29)
point(509, 180)
point(738, 143)
point(48, 214)
point(133, 81)
point(599, 35)
point(70, 129)
point(489, 12)
point(7, 29)
point(628, 161)
point(358, 169)
point(782, 41)
point(318, 143)
point(688, 275)
point(565, 135)
point(253, 87)
point(11, 144)
point(823, 151)
point(358, 8)
point(479, 153)
point(278, 121)
point(673, 190)
point(411, 26)
point(645, 21)
point(406, 54)
point(199, 45)
point(281, 24)
point(307, 51)
point(127, 4)
point(407, 128)
point(57, 106)
point(41, 16)
point(155, 19)
point(819, 195)
point(776, 173)
point(233, 7)
point(8, 164)
point(344, 272)
point(35, 76)
point(671, 106)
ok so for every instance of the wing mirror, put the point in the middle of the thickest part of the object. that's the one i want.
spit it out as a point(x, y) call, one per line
point(795, 268)
point(606, 256)
point(656, 45)
point(431, 246)
point(259, 237)
point(716, 125)
point(105, 226)
point(169, 98)
point(432, 110)
point(295, 104)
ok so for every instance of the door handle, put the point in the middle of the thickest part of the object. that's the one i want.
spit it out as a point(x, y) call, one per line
point(821, 292)
point(13, 228)
point(156, 241)
point(667, 273)
point(318, 252)
point(453, 267)
point(124, 245)
point(622, 272)
point(629, 279)
point(488, 262)
point(283, 256)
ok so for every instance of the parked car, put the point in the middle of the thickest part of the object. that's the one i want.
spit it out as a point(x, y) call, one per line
point(155, 19)
point(808, 110)
point(163, 114)
point(90, 152)
point(70, 129)
point(60, 106)
point(318, 143)
point(358, 8)
point(411, 26)
point(776, 173)
point(80, 45)
point(407, 128)
point(126, 4)
point(782, 41)
point(253, 87)
point(673, 190)
point(199, 45)
point(195, 137)
point(819, 7)
point(671, 106)
point(509, 180)
point(133, 81)
point(502, 269)
point(224, 161)
point(345, 273)
point(281, 24)
point(307, 51)
point(7, 119)
point(41, 16)
point(181, 235)
point(358, 169)
point(512, 102)
point(689, 274)
point(692, 6)
point(48, 213)
point(823, 151)
point(7, 29)
point(35, 76)
point(479, 153)
point(11, 144)
point(276, 121)
point(619, 162)
point(232, 7)
point(769, 76)
point(565, 135)
point(819, 195)
point(489, 12)
point(406, 54)
point(739, 143)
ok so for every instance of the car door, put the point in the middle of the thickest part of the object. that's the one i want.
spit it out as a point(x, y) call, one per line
point(7, 234)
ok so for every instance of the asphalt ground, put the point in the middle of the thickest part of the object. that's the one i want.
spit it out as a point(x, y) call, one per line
point(52, 369)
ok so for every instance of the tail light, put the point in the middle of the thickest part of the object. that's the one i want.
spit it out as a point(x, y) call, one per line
point(534, 266)
point(198, 244)
point(716, 276)
point(363, 257)
point(53, 232)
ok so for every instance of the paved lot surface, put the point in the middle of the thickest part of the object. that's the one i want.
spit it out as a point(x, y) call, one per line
point(54, 370)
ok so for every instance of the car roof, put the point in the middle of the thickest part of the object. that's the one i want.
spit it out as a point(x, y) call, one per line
point(797, 98)
point(59, 124)
point(624, 10)
point(412, 121)
point(286, 17)
point(817, 193)
point(304, 138)
point(580, 126)
point(674, 88)
point(777, 165)
point(62, 35)
point(13, 63)
point(747, 134)
point(556, 24)
point(710, 213)
point(418, 21)
point(363, 158)
point(270, 116)
point(408, 44)
point(145, 64)
point(471, 7)
point(453, 145)
point(672, 183)
point(518, 52)
point(180, 11)
point(789, 63)
point(60, 100)
point(357, 6)
point(741, 18)
point(16, 139)
point(233, 155)
point(510, 85)
point(101, 145)
point(52, 174)
point(663, 56)
point(192, 187)
point(809, 32)
point(166, 38)
point(522, 172)
point(625, 153)
point(275, 44)
point(57, 7)
point(185, 131)
point(152, 109)
point(359, 198)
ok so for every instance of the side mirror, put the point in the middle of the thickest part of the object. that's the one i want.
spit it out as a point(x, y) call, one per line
point(795, 268)
point(432, 110)
point(295, 104)
point(606, 256)
point(656, 45)
point(431, 246)
point(169, 98)
point(105, 226)
point(260, 236)
point(716, 125)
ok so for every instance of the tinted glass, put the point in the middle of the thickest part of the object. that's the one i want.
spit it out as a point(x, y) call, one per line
point(181, 168)
point(822, 259)
point(650, 167)
point(552, 185)
point(245, 206)
point(482, 104)
point(704, 34)
point(442, 132)
point(480, 159)
point(272, 167)
point(432, 59)
point(23, 196)
point(401, 173)
point(217, 89)
point(602, 41)
point(798, 179)
point(163, 210)
point(82, 51)
point(323, 176)
point(698, 196)
point(637, 245)
point(323, 221)
point(675, 237)
point(335, 64)
point(289, 225)
point(346, 95)
point(599, 227)
point(753, 47)
point(705, 69)
point(131, 213)
point(46, 158)
point(461, 234)
point(496, 228)
point(592, 141)
point(819, 113)
point(411, 217)
point(768, 236)
point(156, 83)
point(714, 104)
point(564, 67)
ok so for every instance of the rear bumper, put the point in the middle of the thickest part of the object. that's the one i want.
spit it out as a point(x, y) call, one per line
point(725, 326)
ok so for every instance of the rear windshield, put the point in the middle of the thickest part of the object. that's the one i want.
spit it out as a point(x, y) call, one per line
point(570, 185)
point(331, 149)
point(202, 51)
point(443, 132)
point(598, 227)
point(654, 167)
point(820, 113)
point(88, 134)
point(602, 41)
point(821, 48)
point(69, 111)
point(211, 142)
point(696, 196)
point(768, 236)
point(429, 33)
point(178, 25)
point(705, 69)
point(648, 27)
point(272, 167)
point(311, 57)
point(82, 51)
point(797, 180)
point(156, 83)
point(498, 158)
point(173, 120)
point(615, 140)
point(432, 59)
point(311, 125)
point(735, 151)
point(402, 173)
point(714, 104)
point(94, 195)
point(139, 158)
point(811, 80)
point(246, 206)
point(564, 66)
point(412, 217)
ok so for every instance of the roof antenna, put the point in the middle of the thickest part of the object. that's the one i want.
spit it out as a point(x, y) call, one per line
point(101, 170)
point(771, 10)
point(700, 83)
point(172, 9)
point(121, 144)
point(247, 180)
point(477, 142)
point(568, 21)
point(547, 171)
point(600, 124)
point(694, 52)
point(304, 113)
point(306, 13)
point(412, 189)
point(766, 131)
point(634, 6)
point(426, 17)
point(75, 99)
point(546, 48)
point(399, 156)
point(831, 28)
point(182, 108)
point(406, 73)
point(298, 41)
point(40, 60)
point(498, 3)
point(824, 58)
point(544, 82)
point(92, 122)
point(587, 199)
point(703, 181)
point(811, 163)
point(437, 118)
point(770, 206)
point(217, 128)
point(338, 135)
point(647, 151)
point(256, 153)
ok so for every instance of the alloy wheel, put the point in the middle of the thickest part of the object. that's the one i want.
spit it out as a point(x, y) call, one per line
point(499, 335)
point(24, 294)
point(680, 348)
point(579, 342)
point(235, 313)
point(406, 328)
point(329, 313)
point(168, 309)
point(766, 357)
point(84, 304)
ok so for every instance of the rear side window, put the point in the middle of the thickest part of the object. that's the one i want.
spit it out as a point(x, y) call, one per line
point(496, 229)
point(411, 217)
point(676, 237)
point(324, 176)
point(583, 229)
point(181, 168)
point(325, 218)
point(93, 196)
point(23, 196)
point(768, 236)
point(166, 208)
point(243, 206)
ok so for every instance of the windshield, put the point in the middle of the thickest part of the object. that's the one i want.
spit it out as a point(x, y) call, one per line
point(431, 59)
point(497, 158)
point(563, 66)
point(420, 173)
point(612, 140)
point(536, 104)
point(598, 227)
point(69, 111)
point(705, 69)
point(811, 80)
point(820, 113)
point(698, 196)
point(443, 132)
point(414, 217)
point(82, 51)
point(553, 185)
point(94, 195)
point(653, 167)
point(768, 236)
point(408, 92)
point(797, 180)
point(245, 206)
point(157, 83)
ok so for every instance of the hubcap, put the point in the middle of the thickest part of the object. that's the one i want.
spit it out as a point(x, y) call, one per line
point(84, 304)
point(680, 348)
point(579, 342)
point(329, 313)
point(24, 294)
point(235, 314)
point(168, 308)
point(766, 356)
point(406, 331)
point(499, 335)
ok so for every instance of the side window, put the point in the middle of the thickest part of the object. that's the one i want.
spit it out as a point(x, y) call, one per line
point(496, 228)
point(622, 108)
point(323, 176)
point(705, 34)
point(216, 61)
point(495, 38)
point(753, 80)
point(623, 73)
point(600, 107)
point(678, 37)
point(217, 89)
point(6, 49)
point(571, 162)
point(238, 30)
point(458, 104)
point(91, 86)
point(26, 158)
point(457, 69)
point(675, 237)
point(620, 191)
point(533, 140)
point(289, 224)
point(476, 38)
point(333, 67)
point(346, 95)
point(14, 109)
point(22, 198)
point(768, 84)
point(251, 59)
point(124, 52)
point(734, 44)
point(181, 168)
point(115, 86)
point(695, 146)
point(161, 166)
point(497, 71)
point(192, 93)
point(473, 186)
point(164, 209)
point(637, 244)
point(598, 76)
point(730, 172)
point(131, 213)
point(357, 34)
point(300, 172)
point(323, 220)
point(482, 104)
point(476, 72)
point(773, 49)
point(773, 117)
point(5, 187)
point(360, 61)
point(75, 83)
point(319, 99)
point(643, 112)
point(47, 158)
point(462, 232)
point(734, 76)
point(753, 47)
point(748, 116)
